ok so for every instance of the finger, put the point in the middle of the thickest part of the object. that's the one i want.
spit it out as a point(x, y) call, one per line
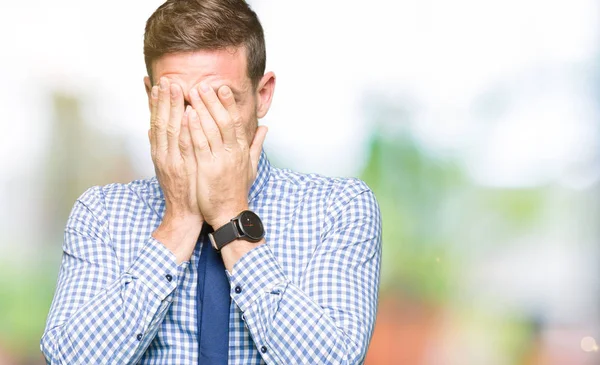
point(208, 125)
point(186, 145)
point(228, 101)
point(175, 115)
point(257, 144)
point(201, 145)
point(153, 111)
point(219, 113)
point(187, 152)
point(161, 118)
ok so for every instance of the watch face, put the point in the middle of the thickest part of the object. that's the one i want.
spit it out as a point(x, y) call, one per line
point(251, 225)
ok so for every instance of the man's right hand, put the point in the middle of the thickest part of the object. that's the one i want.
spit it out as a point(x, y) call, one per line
point(175, 166)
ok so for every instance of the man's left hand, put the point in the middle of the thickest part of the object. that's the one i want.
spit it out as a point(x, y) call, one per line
point(227, 165)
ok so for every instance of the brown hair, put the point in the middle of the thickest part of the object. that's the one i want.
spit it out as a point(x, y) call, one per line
point(193, 25)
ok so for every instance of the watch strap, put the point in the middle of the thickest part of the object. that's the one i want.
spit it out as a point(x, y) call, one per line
point(224, 235)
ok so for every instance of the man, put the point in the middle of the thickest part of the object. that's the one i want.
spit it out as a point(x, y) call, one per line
point(220, 258)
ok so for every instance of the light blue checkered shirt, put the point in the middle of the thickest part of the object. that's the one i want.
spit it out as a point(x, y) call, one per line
point(309, 295)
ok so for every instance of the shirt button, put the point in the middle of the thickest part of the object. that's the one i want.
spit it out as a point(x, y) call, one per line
point(263, 349)
point(169, 277)
point(139, 337)
point(238, 289)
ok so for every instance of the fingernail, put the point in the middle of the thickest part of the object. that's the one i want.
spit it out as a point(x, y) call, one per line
point(204, 86)
point(225, 91)
point(155, 91)
point(194, 93)
point(193, 114)
point(163, 84)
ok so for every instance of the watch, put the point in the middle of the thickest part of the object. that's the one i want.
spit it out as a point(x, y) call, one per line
point(247, 226)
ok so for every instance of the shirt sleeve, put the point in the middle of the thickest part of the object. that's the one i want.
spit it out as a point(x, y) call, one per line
point(102, 313)
point(328, 317)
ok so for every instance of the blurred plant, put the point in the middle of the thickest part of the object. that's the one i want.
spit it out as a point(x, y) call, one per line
point(414, 192)
point(24, 303)
point(434, 216)
point(436, 222)
point(80, 156)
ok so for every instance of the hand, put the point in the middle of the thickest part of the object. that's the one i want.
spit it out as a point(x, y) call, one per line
point(175, 166)
point(227, 165)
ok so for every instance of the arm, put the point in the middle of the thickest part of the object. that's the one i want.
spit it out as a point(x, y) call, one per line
point(101, 313)
point(98, 312)
point(328, 317)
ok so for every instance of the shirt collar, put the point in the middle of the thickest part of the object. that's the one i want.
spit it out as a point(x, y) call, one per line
point(262, 177)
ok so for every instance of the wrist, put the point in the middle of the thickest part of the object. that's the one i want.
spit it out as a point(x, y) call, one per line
point(234, 251)
point(181, 222)
point(179, 235)
point(226, 217)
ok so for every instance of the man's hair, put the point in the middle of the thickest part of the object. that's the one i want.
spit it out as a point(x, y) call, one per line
point(194, 25)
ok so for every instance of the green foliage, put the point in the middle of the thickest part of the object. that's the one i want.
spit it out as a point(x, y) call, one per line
point(25, 299)
point(411, 189)
point(433, 215)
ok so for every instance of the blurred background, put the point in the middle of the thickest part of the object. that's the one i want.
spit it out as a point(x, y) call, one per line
point(475, 123)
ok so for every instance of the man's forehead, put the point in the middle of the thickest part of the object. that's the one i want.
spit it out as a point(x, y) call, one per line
point(217, 67)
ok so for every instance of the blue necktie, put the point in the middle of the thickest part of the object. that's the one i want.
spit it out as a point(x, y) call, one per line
point(212, 300)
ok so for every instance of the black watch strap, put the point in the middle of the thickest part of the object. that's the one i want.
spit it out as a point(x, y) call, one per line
point(247, 226)
point(224, 235)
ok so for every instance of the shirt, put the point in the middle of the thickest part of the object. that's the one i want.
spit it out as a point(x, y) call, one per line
point(306, 296)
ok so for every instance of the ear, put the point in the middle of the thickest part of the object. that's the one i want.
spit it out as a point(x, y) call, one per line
point(264, 92)
point(148, 85)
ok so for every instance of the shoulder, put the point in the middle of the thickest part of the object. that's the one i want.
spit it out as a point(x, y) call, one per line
point(100, 198)
point(339, 186)
point(339, 193)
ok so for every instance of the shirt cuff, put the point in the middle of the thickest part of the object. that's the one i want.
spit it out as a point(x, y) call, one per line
point(255, 274)
point(156, 267)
